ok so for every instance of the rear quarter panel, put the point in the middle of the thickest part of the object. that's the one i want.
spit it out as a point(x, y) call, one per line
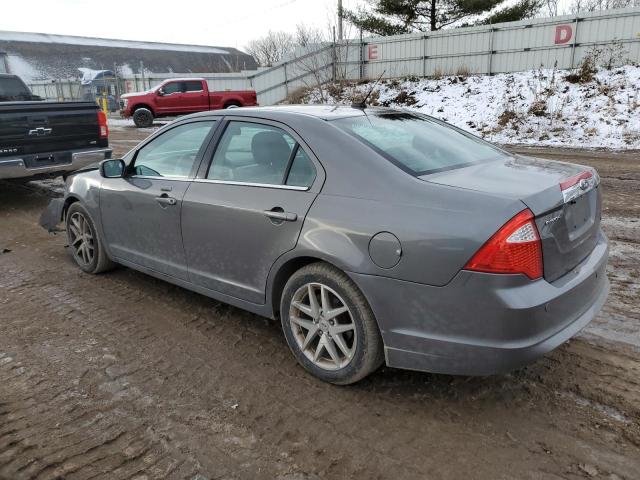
point(438, 234)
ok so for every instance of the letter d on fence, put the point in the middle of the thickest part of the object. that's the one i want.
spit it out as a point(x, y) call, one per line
point(563, 34)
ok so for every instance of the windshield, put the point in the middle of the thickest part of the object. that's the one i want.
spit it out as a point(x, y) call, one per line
point(418, 144)
point(12, 88)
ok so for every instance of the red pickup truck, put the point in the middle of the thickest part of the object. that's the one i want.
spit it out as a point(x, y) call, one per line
point(178, 96)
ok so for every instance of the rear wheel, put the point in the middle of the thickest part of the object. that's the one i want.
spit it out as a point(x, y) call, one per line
point(143, 118)
point(232, 104)
point(84, 242)
point(329, 325)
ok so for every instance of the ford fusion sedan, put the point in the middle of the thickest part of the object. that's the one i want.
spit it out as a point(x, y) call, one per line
point(374, 235)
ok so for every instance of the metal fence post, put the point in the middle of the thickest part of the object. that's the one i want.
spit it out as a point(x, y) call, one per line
point(424, 56)
point(361, 57)
point(490, 68)
point(286, 80)
point(575, 38)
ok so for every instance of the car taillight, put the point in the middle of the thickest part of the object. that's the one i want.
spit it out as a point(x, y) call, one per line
point(103, 128)
point(515, 248)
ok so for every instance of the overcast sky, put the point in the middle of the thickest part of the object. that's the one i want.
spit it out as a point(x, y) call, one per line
point(202, 22)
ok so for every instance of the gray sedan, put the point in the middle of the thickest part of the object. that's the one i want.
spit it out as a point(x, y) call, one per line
point(374, 235)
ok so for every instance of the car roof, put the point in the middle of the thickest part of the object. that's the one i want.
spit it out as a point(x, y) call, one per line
point(322, 112)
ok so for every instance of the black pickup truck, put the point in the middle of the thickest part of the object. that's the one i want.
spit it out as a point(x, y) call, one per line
point(39, 138)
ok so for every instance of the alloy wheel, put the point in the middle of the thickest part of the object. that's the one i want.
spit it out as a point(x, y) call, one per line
point(81, 239)
point(323, 326)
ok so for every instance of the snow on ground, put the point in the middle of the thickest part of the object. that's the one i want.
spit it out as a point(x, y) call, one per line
point(120, 122)
point(128, 122)
point(537, 107)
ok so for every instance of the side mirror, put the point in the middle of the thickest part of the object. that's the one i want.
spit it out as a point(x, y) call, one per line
point(160, 92)
point(112, 168)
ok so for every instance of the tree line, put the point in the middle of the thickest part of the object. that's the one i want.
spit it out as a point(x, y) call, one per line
point(392, 17)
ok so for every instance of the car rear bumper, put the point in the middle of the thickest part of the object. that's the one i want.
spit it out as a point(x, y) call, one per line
point(17, 167)
point(483, 324)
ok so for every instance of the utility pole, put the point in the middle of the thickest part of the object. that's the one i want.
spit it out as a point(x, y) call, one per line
point(340, 20)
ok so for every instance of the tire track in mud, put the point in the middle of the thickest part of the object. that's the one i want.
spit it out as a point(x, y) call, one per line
point(140, 366)
point(92, 313)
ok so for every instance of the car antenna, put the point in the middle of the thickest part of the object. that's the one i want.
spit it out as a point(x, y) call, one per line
point(363, 103)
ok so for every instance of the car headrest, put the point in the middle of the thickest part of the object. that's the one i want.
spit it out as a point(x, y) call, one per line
point(270, 148)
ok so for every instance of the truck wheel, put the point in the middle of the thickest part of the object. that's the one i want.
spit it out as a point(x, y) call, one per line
point(143, 118)
point(232, 104)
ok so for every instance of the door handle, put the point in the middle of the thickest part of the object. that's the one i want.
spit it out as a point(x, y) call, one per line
point(165, 200)
point(282, 216)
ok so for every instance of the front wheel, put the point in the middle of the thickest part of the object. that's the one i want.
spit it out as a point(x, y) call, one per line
point(84, 242)
point(329, 325)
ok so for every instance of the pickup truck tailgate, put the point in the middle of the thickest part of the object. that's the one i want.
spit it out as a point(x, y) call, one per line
point(29, 128)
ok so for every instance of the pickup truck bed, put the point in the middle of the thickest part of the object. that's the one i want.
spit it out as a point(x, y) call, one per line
point(50, 138)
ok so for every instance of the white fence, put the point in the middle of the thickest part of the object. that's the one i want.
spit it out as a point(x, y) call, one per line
point(489, 49)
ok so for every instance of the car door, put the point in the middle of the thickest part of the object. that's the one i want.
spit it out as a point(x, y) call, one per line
point(170, 100)
point(194, 98)
point(246, 207)
point(140, 212)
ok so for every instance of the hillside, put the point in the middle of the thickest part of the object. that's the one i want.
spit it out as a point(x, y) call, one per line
point(538, 107)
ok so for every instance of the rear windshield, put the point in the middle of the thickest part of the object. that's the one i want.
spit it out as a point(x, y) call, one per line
point(418, 144)
point(12, 88)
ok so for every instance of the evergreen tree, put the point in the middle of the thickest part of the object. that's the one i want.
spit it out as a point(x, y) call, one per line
point(392, 17)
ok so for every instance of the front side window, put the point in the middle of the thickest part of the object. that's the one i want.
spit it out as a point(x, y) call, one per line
point(193, 86)
point(173, 87)
point(173, 153)
point(255, 153)
point(417, 144)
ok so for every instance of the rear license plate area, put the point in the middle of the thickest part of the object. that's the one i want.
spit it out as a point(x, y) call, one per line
point(48, 160)
point(580, 215)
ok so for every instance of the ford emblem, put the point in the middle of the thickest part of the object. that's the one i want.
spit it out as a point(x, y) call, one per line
point(584, 184)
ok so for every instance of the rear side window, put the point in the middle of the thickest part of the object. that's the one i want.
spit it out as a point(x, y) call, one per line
point(173, 153)
point(417, 144)
point(193, 86)
point(302, 172)
point(263, 154)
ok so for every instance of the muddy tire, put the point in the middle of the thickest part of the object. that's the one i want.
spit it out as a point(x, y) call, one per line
point(143, 118)
point(85, 244)
point(329, 325)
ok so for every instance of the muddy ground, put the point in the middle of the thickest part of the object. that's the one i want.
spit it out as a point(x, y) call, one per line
point(124, 376)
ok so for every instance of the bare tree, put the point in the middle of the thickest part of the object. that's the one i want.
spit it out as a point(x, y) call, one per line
point(306, 36)
point(551, 7)
point(597, 5)
point(272, 48)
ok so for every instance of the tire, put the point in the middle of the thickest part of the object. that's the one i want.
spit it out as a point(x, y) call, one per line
point(143, 118)
point(81, 230)
point(356, 328)
point(232, 105)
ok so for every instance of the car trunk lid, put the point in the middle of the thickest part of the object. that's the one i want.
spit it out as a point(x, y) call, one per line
point(565, 199)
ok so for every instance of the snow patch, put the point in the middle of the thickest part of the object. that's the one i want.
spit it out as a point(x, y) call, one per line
point(536, 107)
point(22, 68)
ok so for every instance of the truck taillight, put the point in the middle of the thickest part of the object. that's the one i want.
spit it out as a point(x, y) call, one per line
point(515, 248)
point(103, 128)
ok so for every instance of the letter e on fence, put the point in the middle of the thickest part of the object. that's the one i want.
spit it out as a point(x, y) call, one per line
point(563, 34)
point(372, 52)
